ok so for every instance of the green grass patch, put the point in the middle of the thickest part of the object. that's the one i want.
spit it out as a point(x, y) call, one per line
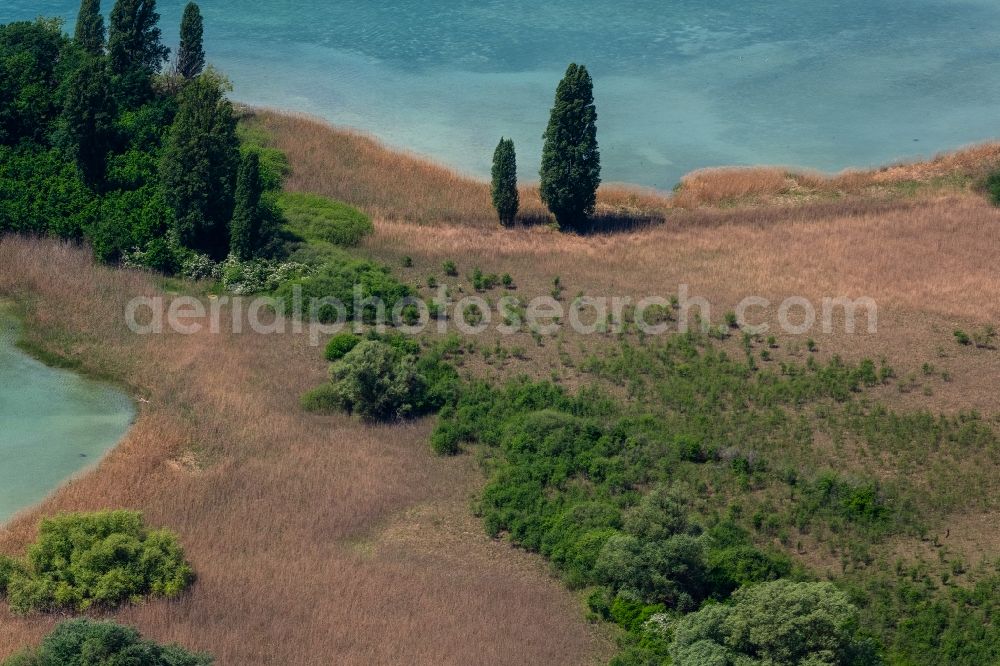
point(314, 218)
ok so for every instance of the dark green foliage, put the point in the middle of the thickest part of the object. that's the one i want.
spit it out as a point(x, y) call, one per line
point(992, 186)
point(449, 268)
point(775, 624)
point(130, 219)
point(314, 218)
point(504, 189)
point(384, 377)
point(670, 571)
point(659, 498)
point(42, 193)
point(191, 54)
point(962, 338)
point(376, 382)
point(89, 34)
point(100, 559)
point(87, 121)
point(340, 345)
point(90, 643)
point(959, 628)
point(199, 166)
point(34, 58)
point(338, 280)
point(246, 239)
point(81, 150)
point(134, 46)
point(571, 162)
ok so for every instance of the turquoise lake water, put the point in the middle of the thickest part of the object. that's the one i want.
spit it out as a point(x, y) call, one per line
point(679, 84)
point(53, 424)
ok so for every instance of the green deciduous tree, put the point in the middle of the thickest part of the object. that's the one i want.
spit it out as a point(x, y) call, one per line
point(89, 643)
point(199, 166)
point(245, 239)
point(32, 62)
point(134, 38)
point(376, 382)
point(571, 162)
point(504, 190)
point(87, 121)
point(89, 33)
point(191, 55)
point(774, 624)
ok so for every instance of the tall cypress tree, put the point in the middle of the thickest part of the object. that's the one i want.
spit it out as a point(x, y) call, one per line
point(245, 231)
point(199, 166)
point(87, 120)
point(571, 162)
point(134, 38)
point(505, 197)
point(191, 55)
point(90, 27)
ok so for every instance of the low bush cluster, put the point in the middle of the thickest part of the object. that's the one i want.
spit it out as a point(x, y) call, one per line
point(94, 560)
point(384, 377)
point(663, 483)
point(90, 643)
point(343, 281)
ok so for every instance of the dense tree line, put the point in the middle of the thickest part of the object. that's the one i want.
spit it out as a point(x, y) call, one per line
point(99, 142)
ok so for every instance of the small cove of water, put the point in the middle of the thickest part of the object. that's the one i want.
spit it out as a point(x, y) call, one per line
point(53, 424)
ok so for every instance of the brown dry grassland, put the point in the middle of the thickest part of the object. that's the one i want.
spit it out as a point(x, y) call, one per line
point(319, 540)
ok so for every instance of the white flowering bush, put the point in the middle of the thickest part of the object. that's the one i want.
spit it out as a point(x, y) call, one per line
point(253, 277)
point(199, 267)
point(660, 625)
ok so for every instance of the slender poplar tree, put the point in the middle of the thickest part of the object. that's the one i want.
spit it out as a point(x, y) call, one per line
point(191, 55)
point(134, 38)
point(199, 166)
point(505, 196)
point(88, 119)
point(245, 231)
point(90, 27)
point(571, 161)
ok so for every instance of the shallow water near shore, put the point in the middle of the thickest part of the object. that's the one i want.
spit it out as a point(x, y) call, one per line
point(53, 424)
point(679, 85)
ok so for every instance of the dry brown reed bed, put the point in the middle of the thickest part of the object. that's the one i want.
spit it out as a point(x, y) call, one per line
point(938, 257)
point(396, 185)
point(271, 503)
point(318, 540)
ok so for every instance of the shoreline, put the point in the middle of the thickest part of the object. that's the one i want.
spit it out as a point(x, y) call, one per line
point(13, 326)
point(412, 154)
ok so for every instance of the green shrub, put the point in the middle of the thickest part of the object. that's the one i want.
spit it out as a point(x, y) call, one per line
point(340, 345)
point(90, 643)
point(98, 559)
point(324, 399)
point(449, 268)
point(316, 218)
point(630, 494)
point(9, 568)
point(671, 571)
point(376, 382)
point(963, 338)
point(774, 624)
point(992, 186)
point(338, 280)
